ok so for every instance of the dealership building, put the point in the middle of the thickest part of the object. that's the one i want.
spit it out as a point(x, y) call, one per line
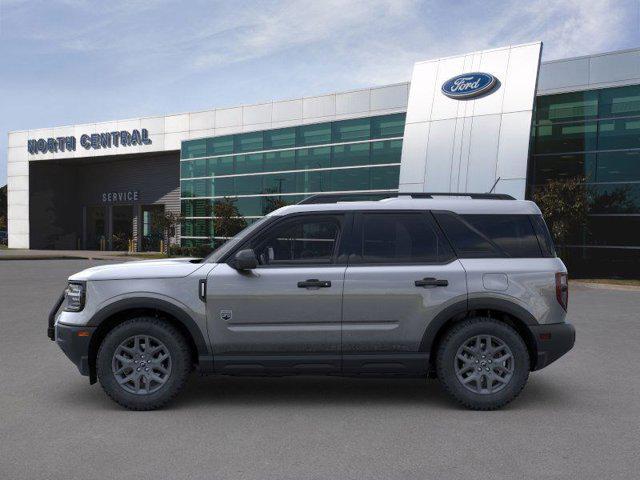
point(496, 119)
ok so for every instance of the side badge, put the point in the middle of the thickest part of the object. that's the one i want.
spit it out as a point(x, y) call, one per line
point(226, 315)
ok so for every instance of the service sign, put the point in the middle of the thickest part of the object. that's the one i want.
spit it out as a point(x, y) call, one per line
point(93, 141)
point(469, 85)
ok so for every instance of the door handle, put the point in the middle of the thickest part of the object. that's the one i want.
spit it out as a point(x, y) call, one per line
point(314, 283)
point(431, 282)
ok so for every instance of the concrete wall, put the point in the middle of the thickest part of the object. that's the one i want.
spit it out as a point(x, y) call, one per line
point(453, 145)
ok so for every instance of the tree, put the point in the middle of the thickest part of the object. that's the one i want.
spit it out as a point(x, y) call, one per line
point(564, 205)
point(165, 223)
point(228, 221)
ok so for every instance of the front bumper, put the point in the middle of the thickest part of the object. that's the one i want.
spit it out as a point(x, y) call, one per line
point(74, 342)
point(552, 342)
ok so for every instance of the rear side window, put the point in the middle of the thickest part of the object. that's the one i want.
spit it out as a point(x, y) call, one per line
point(486, 236)
point(400, 238)
point(544, 237)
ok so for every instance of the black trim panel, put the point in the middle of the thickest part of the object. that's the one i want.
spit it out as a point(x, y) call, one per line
point(156, 304)
point(561, 338)
point(505, 306)
point(76, 348)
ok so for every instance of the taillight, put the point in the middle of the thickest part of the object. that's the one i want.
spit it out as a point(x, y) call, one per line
point(562, 289)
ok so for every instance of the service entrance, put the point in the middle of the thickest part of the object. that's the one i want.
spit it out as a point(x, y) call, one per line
point(121, 227)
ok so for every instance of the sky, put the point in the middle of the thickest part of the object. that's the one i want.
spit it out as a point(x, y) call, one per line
point(65, 62)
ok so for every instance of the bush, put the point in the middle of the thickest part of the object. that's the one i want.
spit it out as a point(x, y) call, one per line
point(199, 251)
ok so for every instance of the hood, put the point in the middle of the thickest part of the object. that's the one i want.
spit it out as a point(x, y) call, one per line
point(174, 268)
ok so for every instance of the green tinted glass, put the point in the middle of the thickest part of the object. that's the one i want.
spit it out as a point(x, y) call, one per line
point(385, 178)
point(619, 102)
point(223, 187)
point(280, 138)
point(250, 206)
point(194, 148)
point(313, 134)
point(319, 157)
point(352, 130)
point(347, 155)
point(566, 107)
point(554, 167)
point(249, 163)
point(349, 179)
point(248, 185)
point(248, 142)
point(621, 133)
point(279, 183)
point(388, 151)
point(220, 145)
point(573, 137)
point(221, 166)
point(388, 126)
point(274, 161)
point(313, 181)
point(196, 208)
point(618, 166)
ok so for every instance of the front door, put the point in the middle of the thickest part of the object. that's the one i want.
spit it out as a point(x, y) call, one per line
point(401, 274)
point(285, 315)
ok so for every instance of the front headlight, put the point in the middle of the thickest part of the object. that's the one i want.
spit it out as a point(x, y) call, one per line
point(74, 297)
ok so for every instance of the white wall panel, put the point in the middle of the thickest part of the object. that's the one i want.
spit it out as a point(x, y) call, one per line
point(324, 106)
point(18, 139)
point(154, 125)
point(415, 146)
point(257, 114)
point(614, 67)
point(562, 74)
point(393, 96)
point(202, 120)
point(352, 102)
point(287, 111)
point(471, 140)
point(176, 123)
point(228, 117)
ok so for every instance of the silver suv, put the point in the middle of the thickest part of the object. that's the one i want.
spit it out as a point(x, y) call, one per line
point(463, 287)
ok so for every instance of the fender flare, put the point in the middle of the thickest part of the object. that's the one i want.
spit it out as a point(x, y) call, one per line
point(463, 307)
point(155, 304)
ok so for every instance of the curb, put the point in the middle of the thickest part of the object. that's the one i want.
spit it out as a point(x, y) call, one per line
point(607, 286)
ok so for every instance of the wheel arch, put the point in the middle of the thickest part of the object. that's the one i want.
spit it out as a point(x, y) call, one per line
point(118, 312)
point(508, 312)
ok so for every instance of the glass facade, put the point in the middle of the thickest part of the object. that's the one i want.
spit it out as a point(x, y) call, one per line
point(594, 135)
point(268, 169)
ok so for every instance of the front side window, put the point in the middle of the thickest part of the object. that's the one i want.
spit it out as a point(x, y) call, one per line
point(307, 240)
point(400, 238)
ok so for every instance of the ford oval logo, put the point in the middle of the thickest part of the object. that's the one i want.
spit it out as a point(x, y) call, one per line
point(469, 85)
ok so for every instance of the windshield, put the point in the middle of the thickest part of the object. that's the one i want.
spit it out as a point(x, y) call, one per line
point(233, 242)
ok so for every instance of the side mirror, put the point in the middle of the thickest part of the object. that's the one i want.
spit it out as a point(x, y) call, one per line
point(245, 260)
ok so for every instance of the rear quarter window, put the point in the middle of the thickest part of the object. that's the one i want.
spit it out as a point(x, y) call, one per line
point(491, 236)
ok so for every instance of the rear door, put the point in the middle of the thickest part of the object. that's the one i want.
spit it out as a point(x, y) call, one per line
point(401, 274)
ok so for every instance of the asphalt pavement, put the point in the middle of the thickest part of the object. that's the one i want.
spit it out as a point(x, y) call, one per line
point(579, 418)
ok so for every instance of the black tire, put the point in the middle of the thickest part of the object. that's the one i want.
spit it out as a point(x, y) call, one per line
point(446, 364)
point(181, 363)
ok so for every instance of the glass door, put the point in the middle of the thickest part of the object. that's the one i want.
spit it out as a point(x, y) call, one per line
point(122, 223)
point(151, 233)
point(96, 227)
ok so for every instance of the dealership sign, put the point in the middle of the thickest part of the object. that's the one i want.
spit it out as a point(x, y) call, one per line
point(469, 85)
point(93, 141)
point(128, 196)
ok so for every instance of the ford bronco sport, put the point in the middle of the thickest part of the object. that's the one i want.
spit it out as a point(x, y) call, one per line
point(463, 287)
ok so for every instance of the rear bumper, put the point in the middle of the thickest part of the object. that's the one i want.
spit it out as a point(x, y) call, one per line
point(74, 342)
point(552, 342)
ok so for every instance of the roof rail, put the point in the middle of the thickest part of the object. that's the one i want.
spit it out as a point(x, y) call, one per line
point(364, 196)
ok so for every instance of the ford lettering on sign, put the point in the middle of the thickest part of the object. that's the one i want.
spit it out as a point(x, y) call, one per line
point(469, 85)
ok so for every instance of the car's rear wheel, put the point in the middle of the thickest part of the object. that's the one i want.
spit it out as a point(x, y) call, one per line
point(143, 363)
point(483, 363)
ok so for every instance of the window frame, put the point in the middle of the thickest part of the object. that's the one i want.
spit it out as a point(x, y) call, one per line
point(357, 232)
point(344, 220)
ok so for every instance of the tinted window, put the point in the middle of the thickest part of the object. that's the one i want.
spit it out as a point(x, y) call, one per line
point(514, 234)
point(482, 236)
point(401, 238)
point(544, 237)
point(305, 240)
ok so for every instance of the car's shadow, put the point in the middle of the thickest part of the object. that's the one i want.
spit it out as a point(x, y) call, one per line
point(308, 391)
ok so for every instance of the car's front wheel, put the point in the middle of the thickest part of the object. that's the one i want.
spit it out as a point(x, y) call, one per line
point(143, 363)
point(483, 363)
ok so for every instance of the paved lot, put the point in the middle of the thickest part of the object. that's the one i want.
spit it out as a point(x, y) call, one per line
point(579, 418)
